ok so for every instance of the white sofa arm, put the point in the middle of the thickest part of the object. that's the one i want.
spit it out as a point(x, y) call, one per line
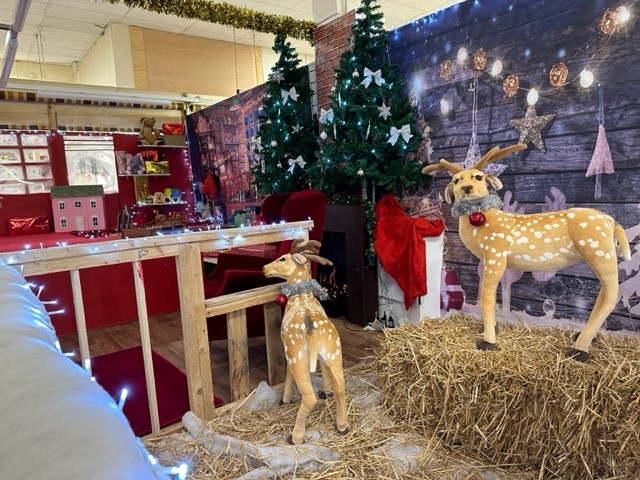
point(56, 422)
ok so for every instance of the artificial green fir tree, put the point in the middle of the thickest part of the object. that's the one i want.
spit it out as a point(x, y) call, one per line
point(368, 137)
point(285, 143)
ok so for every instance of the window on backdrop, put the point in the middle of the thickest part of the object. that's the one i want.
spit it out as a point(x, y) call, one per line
point(91, 160)
point(25, 163)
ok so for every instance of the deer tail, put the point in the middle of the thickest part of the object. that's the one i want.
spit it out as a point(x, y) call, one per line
point(623, 242)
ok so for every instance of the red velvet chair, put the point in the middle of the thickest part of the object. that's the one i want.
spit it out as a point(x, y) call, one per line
point(237, 272)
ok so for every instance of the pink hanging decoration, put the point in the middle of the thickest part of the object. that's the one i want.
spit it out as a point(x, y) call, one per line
point(601, 161)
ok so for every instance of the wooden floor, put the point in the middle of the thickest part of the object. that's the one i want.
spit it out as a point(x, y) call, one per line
point(166, 340)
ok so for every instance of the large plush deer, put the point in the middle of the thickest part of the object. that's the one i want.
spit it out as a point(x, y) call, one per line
point(545, 241)
point(308, 335)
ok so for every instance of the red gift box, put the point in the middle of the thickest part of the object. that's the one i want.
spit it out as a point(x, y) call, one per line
point(29, 225)
point(173, 129)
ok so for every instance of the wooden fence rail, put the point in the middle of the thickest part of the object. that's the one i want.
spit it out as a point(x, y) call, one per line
point(194, 308)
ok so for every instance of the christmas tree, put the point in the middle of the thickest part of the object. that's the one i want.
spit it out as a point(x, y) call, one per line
point(285, 143)
point(368, 137)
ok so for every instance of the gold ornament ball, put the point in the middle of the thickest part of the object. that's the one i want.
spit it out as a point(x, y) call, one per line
point(609, 22)
point(445, 69)
point(511, 85)
point(479, 60)
point(558, 74)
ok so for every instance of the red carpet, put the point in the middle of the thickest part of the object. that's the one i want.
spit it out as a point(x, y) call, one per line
point(118, 370)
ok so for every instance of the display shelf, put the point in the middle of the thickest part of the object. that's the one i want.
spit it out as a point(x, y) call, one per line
point(148, 175)
point(153, 147)
point(165, 204)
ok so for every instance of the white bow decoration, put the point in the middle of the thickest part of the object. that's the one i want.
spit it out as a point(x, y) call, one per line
point(291, 94)
point(256, 144)
point(369, 76)
point(297, 161)
point(405, 131)
point(326, 116)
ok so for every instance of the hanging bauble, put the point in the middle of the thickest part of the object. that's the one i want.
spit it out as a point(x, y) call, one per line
point(477, 219)
point(479, 60)
point(609, 22)
point(274, 143)
point(281, 300)
point(323, 135)
point(355, 74)
point(446, 66)
point(558, 74)
point(511, 85)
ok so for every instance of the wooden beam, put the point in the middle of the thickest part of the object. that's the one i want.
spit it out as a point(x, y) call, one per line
point(276, 364)
point(238, 354)
point(194, 331)
point(237, 301)
point(81, 322)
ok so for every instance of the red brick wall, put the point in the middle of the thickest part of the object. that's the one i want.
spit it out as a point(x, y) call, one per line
point(330, 39)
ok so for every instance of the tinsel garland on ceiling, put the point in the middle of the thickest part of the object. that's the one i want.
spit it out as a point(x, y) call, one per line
point(230, 15)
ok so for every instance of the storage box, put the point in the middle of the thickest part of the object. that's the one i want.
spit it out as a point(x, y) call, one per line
point(174, 140)
point(391, 298)
point(157, 168)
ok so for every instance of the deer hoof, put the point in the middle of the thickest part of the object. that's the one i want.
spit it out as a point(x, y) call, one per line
point(322, 395)
point(341, 432)
point(484, 345)
point(578, 355)
point(291, 442)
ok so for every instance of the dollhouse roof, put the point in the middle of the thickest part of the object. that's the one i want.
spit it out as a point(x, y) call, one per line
point(76, 191)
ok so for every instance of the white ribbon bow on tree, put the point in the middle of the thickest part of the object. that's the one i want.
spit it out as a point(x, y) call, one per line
point(256, 144)
point(291, 94)
point(297, 161)
point(405, 131)
point(369, 76)
point(326, 116)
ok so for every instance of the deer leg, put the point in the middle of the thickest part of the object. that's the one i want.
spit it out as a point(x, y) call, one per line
point(334, 369)
point(300, 372)
point(490, 281)
point(326, 380)
point(607, 273)
point(287, 395)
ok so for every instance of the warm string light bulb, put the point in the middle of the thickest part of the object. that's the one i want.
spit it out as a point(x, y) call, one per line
point(586, 78)
point(496, 68)
point(444, 106)
point(532, 96)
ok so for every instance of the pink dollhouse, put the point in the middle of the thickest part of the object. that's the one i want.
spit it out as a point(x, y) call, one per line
point(78, 207)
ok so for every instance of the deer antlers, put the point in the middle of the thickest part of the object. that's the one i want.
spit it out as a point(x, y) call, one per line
point(310, 249)
point(493, 155)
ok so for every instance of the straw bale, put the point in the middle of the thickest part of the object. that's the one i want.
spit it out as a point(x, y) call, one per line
point(525, 404)
point(375, 446)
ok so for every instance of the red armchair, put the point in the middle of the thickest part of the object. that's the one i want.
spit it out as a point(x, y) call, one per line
point(237, 272)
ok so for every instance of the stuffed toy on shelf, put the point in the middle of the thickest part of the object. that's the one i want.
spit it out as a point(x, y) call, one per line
point(148, 134)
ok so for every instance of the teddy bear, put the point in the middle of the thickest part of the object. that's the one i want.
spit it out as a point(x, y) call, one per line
point(149, 135)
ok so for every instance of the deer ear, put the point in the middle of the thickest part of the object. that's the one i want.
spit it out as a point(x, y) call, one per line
point(448, 193)
point(493, 181)
point(299, 258)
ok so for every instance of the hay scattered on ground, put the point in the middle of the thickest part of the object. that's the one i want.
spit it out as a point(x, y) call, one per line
point(365, 451)
point(524, 404)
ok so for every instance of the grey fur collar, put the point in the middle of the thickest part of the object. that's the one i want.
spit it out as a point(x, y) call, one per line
point(310, 286)
point(490, 201)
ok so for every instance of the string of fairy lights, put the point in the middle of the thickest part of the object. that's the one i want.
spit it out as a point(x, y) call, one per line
point(611, 22)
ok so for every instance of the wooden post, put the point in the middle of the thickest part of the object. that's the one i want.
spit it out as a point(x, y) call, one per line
point(81, 322)
point(145, 337)
point(275, 350)
point(238, 354)
point(194, 331)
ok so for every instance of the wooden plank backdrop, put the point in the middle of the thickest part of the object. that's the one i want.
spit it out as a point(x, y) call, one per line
point(529, 37)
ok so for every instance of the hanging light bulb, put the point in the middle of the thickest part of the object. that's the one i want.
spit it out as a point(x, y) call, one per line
point(532, 96)
point(623, 14)
point(444, 106)
point(496, 68)
point(586, 78)
point(462, 55)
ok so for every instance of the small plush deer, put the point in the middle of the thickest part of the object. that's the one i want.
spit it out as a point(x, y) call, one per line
point(308, 335)
point(532, 242)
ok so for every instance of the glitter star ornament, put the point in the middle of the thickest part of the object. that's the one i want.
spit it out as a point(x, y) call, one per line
point(530, 127)
point(277, 76)
point(385, 111)
point(296, 128)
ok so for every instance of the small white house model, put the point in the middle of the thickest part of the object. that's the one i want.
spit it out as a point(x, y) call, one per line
point(78, 208)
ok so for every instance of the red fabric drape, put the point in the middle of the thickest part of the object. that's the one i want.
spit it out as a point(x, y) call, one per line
point(399, 243)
